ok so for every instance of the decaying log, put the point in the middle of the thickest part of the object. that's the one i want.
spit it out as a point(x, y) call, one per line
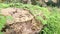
point(23, 22)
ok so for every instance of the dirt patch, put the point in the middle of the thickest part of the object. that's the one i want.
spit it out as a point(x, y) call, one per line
point(23, 22)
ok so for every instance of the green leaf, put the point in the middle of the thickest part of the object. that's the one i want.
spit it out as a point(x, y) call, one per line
point(9, 17)
point(1, 32)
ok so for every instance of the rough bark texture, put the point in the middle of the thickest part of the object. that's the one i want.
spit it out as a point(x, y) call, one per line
point(50, 2)
point(23, 22)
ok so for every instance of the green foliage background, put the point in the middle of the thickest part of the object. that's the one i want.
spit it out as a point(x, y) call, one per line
point(51, 23)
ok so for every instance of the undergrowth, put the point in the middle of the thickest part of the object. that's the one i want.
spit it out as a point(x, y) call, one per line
point(52, 21)
point(2, 22)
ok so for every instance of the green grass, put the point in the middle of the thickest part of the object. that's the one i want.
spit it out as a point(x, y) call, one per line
point(52, 21)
